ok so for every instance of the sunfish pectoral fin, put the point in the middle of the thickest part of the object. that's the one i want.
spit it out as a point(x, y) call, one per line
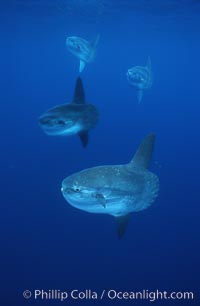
point(101, 199)
point(84, 137)
point(82, 65)
point(121, 223)
point(142, 157)
point(139, 95)
point(79, 94)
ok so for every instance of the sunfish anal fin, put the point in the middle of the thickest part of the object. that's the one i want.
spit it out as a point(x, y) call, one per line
point(142, 157)
point(139, 95)
point(82, 66)
point(84, 137)
point(79, 94)
point(121, 223)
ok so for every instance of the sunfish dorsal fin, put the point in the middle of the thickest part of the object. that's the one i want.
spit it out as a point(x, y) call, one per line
point(79, 94)
point(121, 223)
point(148, 63)
point(82, 66)
point(95, 42)
point(142, 157)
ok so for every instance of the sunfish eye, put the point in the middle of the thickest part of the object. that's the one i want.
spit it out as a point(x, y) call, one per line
point(61, 122)
point(77, 189)
point(46, 121)
point(78, 47)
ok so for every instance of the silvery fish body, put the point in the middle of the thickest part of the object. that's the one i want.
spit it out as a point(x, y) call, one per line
point(77, 117)
point(82, 49)
point(141, 78)
point(116, 190)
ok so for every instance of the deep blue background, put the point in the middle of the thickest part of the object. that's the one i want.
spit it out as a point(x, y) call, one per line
point(45, 243)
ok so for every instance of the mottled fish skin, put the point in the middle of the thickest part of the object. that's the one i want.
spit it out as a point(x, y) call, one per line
point(77, 117)
point(124, 191)
point(82, 49)
point(69, 119)
point(116, 190)
point(141, 78)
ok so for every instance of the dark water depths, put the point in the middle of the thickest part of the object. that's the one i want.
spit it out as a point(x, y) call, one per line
point(47, 244)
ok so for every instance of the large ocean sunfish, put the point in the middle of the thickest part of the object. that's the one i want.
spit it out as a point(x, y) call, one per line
point(77, 117)
point(116, 190)
point(82, 49)
point(140, 77)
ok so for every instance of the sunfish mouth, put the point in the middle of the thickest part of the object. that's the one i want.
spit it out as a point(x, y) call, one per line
point(52, 121)
point(69, 41)
point(55, 126)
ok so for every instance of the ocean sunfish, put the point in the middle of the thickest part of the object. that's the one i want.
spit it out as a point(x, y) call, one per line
point(82, 49)
point(141, 78)
point(116, 190)
point(77, 117)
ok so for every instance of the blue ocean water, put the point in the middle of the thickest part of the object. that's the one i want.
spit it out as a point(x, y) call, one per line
point(47, 244)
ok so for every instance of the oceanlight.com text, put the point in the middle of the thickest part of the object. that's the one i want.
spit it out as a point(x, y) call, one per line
point(111, 294)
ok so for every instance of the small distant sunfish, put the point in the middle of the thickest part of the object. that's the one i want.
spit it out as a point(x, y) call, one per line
point(82, 49)
point(140, 77)
point(116, 190)
point(77, 117)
